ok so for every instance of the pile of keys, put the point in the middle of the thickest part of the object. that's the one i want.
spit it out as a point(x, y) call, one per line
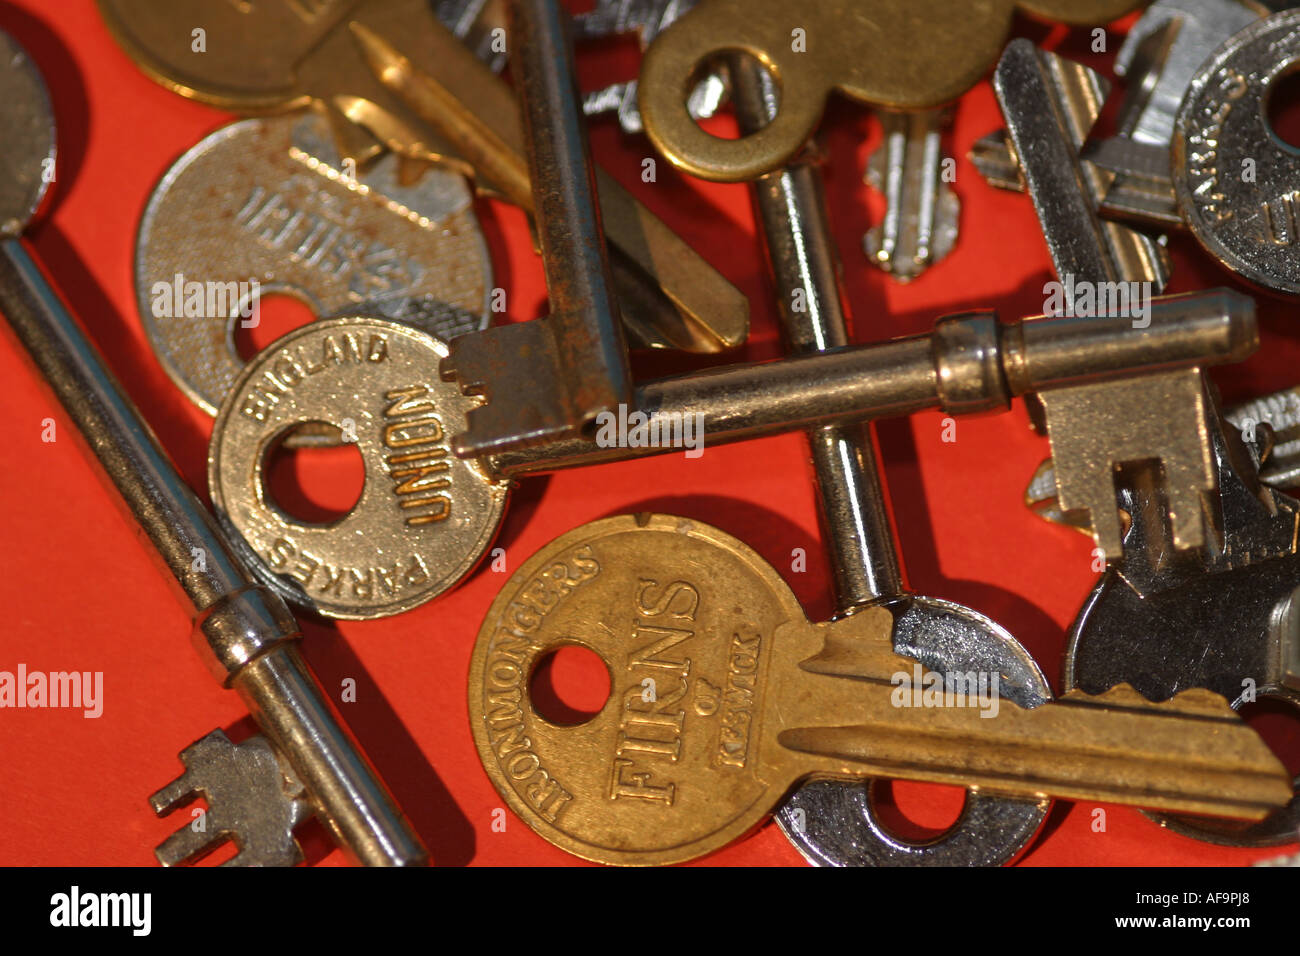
point(371, 127)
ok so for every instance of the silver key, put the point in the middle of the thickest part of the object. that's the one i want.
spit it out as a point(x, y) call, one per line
point(254, 798)
point(1159, 59)
point(645, 18)
point(921, 216)
point(269, 200)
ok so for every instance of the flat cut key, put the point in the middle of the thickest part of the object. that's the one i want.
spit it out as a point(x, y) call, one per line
point(922, 211)
point(263, 58)
point(1050, 104)
point(750, 698)
point(644, 18)
point(244, 633)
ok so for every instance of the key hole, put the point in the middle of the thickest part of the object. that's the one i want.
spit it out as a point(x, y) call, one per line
point(569, 685)
point(313, 484)
point(748, 81)
point(1282, 106)
point(278, 314)
point(916, 812)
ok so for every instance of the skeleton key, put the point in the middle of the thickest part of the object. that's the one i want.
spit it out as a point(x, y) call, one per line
point(269, 200)
point(287, 55)
point(244, 633)
point(1049, 104)
point(895, 53)
point(645, 18)
point(836, 823)
point(748, 698)
point(1223, 619)
point(921, 218)
point(1159, 59)
point(376, 374)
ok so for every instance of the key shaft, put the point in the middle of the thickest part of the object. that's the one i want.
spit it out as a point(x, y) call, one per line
point(245, 633)
point(969, 364)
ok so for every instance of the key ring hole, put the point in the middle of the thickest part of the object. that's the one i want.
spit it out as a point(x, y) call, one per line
point(569, 685)
point(915, 813)
point(275, 312)
point(1282, 105)
point(722, 78)
point(316, 482)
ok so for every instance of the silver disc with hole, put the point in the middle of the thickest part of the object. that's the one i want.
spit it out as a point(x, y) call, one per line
point(1237, 182)
point(424, 516)
point(834, 823)
point(265, 207)
point(27, 159)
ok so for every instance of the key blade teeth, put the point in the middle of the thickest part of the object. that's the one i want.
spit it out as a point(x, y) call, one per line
point(253, 800)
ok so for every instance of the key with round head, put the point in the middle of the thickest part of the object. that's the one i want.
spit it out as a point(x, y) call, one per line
point(897, 53)
point(268, 202)
point(244, 632)
point(366, 63)
point(723, 696)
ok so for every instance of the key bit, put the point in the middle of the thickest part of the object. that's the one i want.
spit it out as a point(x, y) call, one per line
point(254, 800)
point(921, 216)
point(1270, 423)
point(575, 360)
point(645, 19)
point(1050, 104)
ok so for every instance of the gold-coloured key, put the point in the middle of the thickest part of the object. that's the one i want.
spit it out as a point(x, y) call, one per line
point(256, 58)
point(898, 53)
point(723, 696)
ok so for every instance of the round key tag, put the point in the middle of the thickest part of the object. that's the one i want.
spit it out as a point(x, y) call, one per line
point(684, 617)
point(424, 517)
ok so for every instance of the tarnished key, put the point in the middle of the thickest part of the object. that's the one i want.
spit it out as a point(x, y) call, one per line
point(551, 377)
point(244, 633)
point(831, 822)
point(1160, 56)
point(723, 696)
point(254, 799)
point(1049, 104)
point(922, 211)
point(1226, 618)
point(905, 54)
point(275, 57)
point(645, 18)
point(269, 200)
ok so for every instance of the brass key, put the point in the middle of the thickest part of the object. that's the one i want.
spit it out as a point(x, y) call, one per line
point(264, 57)
point(746, 698)
point(898, 53)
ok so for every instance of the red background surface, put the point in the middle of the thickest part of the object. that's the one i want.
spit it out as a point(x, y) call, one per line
point(80, 592)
